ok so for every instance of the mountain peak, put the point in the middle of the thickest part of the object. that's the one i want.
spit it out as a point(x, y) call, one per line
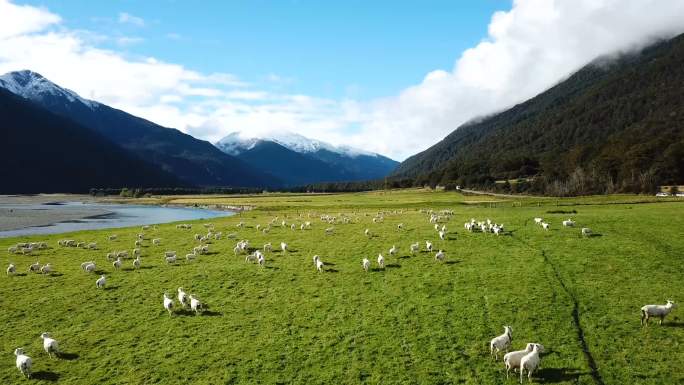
point(34, 86)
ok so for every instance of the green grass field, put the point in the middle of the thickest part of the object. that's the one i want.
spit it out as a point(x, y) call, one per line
point(417, 322)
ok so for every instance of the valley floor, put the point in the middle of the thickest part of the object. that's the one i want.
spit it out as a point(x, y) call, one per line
point(418, 321)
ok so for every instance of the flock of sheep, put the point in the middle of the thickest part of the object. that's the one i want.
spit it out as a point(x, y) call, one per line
point(526, 360)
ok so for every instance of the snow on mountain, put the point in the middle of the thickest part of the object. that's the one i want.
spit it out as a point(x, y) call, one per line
point(238, 142)
point(33, 86)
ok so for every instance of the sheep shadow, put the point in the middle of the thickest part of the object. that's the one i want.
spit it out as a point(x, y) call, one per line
point(673, 324)
point(594, 235)
point(99, 272)
point(272, 267)
point(210, 313)
point(20, 274)
point(110, 288)
point(190, 313)
point(331, 271)
point(554, 375)
point(45, 376)
point(405, 257)
point(68, 356)
point(330, 264)
point(453, 262)
point(393, 265)
point(55, 275)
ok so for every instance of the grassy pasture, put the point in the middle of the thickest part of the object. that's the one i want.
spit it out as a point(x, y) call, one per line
point(416, 322)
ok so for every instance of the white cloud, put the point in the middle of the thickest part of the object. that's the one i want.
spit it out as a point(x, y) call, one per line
point(528, 49)
point(127, 18)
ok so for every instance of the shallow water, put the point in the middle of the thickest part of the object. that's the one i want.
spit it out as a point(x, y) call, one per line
point(99, 216)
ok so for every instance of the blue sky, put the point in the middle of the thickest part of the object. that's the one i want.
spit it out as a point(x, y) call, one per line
point(357, 49)
point(392, 77)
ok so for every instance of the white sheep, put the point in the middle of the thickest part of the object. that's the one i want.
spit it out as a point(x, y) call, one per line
point(428, 246)
point(415, 247)
point(268, 247)
point(261, 260)
point(170, 260)
point(568, 223)
point(11, 269)
point(381, 261)
point(195, 304)
point(586, 231)
point(366, 264)
point(440, 256)
point(34, 267)
point(182, 297)
point(156, 241)
point(46, 269)
point(50, 345)
point(168, 304)
point(502, 342)
point(367, 233)
point(283, 246)
point(393, 251)
point(169, 253)
point(117, 263)
point(319, 265)
point(530, 362)
point(442, 235)
point(661, 311)
point(512, 359)
point(112, 237)
point(190, 257)
point(538, 220)
point(545, 226)
point(136, 262)
point(101, 282)
point(329, 231)
point(24, 362)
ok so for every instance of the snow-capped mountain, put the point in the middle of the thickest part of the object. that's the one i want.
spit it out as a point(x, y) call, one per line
point(297, 159)
point(236, 142)
point(33, 86)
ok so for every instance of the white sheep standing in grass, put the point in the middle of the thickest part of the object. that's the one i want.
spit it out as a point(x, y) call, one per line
point(168, 304)
point(50, 345)
point(660, 311)
point(101, 282)
point(195, 304)
point(156, 241)
point(367, 233)
point(442, 235)
point(428, 246)
point(319, 265)
point(366, 264)
point(24, 362)
point(268, 247)
point(440, 256)
point(137, 262)
point(393, 251)
point(46, 269)
point(586, 231)
point(261, 260)
point(512, 359)
point(538, 221)
point(11, 269)
point(283, 246)
point(545, 226)
point(568, 223)
point(501, 343)
point(169, 253)
point(117, 263)
point(170, 260)
point(182, 297)
point(530, 362)
point(381, 261)
point(34, 267)
point(415, 247)
point(190, 257)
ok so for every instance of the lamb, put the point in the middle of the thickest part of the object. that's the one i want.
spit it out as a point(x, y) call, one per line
point(319, 265)
point(366, 264)
point(283, 246)
point(117, 263)
point(428, 246)
point(502, 342)
point(136, 262)
point(440, 256)
point(182, 297)
point(568, 223)
point(545, 226)
point(393, 250)
point(442, 234)
point(381, 261)
point(512, 359)
point(34, 267)
point(24, 362)
point(101, 282)
point(47, 269)
point(170, 260)
point(261, 260)
point(586, 232)
point(661, 311)
point(538, 221)
point(11, 269)
point(168, 304)
point(530, 362)
point(195, 304)
point(415, 247)
point(50, 345)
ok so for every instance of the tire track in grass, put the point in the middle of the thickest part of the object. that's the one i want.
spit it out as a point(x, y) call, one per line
point(594, 372)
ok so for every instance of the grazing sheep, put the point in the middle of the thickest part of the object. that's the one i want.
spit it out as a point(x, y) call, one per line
point(138, 243)
point(366, 264)
point(195, 304)
point(538, 221)
point(46, 269)
point(530, 362)
point(381, 261)
point(136, 252)
point(661, 311)
point(190, 257)
point(136, 262)
point(117, 263)
point(442, 234)
point(283, 246)
point(169, 253)
point(24, 362)
point(251, 257)
point(101, 282)
point(168, 304)
point(170, 260)
point(34, 267)
point(319, 265)
point(92, 245)
point(50, 345)
point(261, 260)
point(11, 269)
point(512, 359)
point(367, 233)
point(502, 342)
point(415, 247)
point(268, 247)
point(440, 256)
point(156, 241)
point(586, 231)
point(393, 251)
point(182, 297)
point(112, 237)
point(400, 226)
point(568, 223)
point(545, 226)
point(146, 227)
point(329, 231)
point(428, 246)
